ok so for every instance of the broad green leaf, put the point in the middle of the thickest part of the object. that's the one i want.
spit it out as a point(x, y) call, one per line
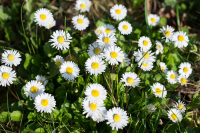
point(4, 116)
point(40, 130)
point(48, 49)
point(16, 115)
point(27, 63)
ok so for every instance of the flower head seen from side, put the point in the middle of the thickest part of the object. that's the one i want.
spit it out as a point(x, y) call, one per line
point(146, 66)
point(185, 69)
point(113, 55)
point(144, 43)
point(108, 28)
point(80, 22)
point(175, 115)
point(83, 5)
point(50, 24)
point(167, 32)
point(172, 77)
point(159, 47)
point(126, 61)
point(41, 79)
point(7, 75)
point(11, 57)
point(180, 39)
point(118, 12)
point(159, 90)
point(125, 28)
point(95, 49)
point(117, 118)
point(143, 57)
point(44, 103)
point(95, 65)
point(60, 40)
point(58, 60)
point(95, 93)
point(182, 79)
point(34, 88)
point(99, 30)
point(130, 79)
point(163, 67)
point(151, 108)
point(153, 19)
point(69, 70)
point(43, 16)
point(180, 106)
point(106, 40)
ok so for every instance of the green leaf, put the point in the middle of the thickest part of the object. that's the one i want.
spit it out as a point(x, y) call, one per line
point(31, 116)
point(4, 116)
point(40, 130)
point(36, 60)
point(49, 50)
point(100, 23)
point(27, 63)
point(16, 115)
point(49, 87)
point(163, 21)
point(3, 15)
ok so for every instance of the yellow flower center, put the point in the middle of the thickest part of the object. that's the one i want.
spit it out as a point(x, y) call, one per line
point(130, 80)
point(145, 43)
point(162, 68)
point(107, 30)
point(5, 75)
point(95, 93)
point(113, 54)
point(11, 57)
point(43, 16)
point(83, 6)
point(95, 65)
point(173, 76)
point(151, 108)
point(34, 89)
point(180, 106)
point(97, 50)
point(80, 21)
point(153, 20)
point(145, 64)
point(118, 11)
point(93, 106)
point(159, 47)
point(69, 70)
point(180, 38)
point(41, 82)
point(185, 69)
point(58, 63)
point(44, 102)
point(106, 40)
point(125, 27)
point(183, 80)
point(116, 118)
point(167, 33)
point(174, 116)
point(49, 24)
point(60, 39)
point(158, 90)
point(146, 55)
point(99, 31)
point(123, 60)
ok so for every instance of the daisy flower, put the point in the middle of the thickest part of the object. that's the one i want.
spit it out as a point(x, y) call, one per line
point(168, 32)
point(113, 55)
point(185, 69)
point(180, 106)
point(60, 39)
point(182, 79)
point(174, 115)
point(41, 79)
point(43, 16)
point(92, 109)
point(69, 70)
point(101, 116)
point(108, 28)
point(95, 49)
point(153, 19)
point(95, 93)
point(144, 43)
point(99, 30)
point(50, 24)
point(146, 66)
point(58, 60)
point(151, 108)
point(7, 76)
point(180, 39)
point(125, 28)
point(95, 65)
point(80, 22)
point(143, 57)
point(159, 90)
point(172, 77)
point(34, 88)
point(11, 57)
point(118, 12)
point(130, 79)
point(163, 67)
point(159, 47)
point(83, 5)
point(106, 40)
point(44, 103)
point(117, 118)
point(126, 60)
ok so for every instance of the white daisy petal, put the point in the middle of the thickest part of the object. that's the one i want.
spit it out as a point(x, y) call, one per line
point(80, 22)
point(151, 108)
point(109, 29)
point(163, 67)
point(180, 39)
point(130, 79)
point(159, 90)
point(99, 30)
point(7, 75)
point(43, 16)
point(50, 24)
point(83, 5)
point(144, 43)
point(174, 115)
point(126, 61)
point(95, 49)
point(153, 19)
point(11, 57)
point(58, 60)
point(180, 106)
point(185, 69)
point(106, 40)
point(148, 56)
point(168, 32)
point(125, 28)
point(172, 77)
point(159, 47)
point(146, 66)
point(41, 79)
point(118, 12)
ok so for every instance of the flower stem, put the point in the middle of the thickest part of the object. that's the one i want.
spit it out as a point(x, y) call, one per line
point(15, 95)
